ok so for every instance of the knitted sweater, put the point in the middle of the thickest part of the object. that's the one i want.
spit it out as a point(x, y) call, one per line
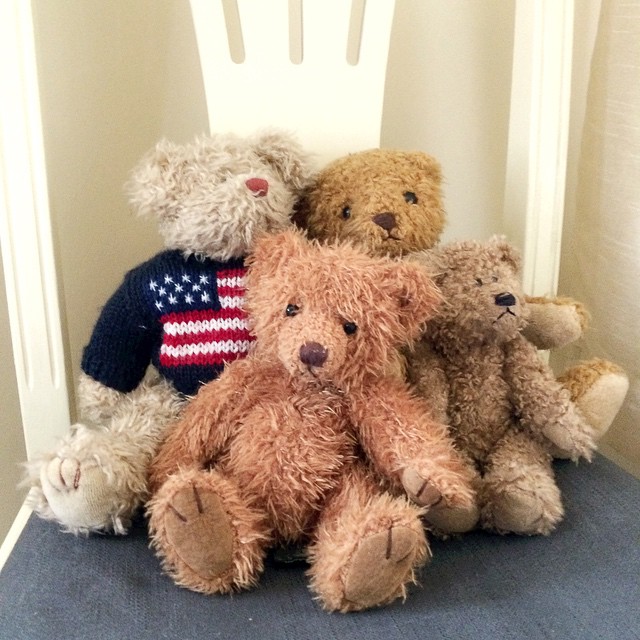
point(184, 315)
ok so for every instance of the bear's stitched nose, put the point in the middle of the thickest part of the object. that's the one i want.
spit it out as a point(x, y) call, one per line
point(313, 354)
point(505, 299)
point(258, 186)
point(385, 220)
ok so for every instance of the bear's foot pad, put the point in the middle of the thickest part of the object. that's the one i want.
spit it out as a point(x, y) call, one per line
point(380, 566)
point(200, 531)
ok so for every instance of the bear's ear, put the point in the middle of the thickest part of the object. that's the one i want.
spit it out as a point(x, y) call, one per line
point(284, 153)
point(146, 187)
point(271, 252)
point(427, 164)
point(414, 292)
point(506, 252)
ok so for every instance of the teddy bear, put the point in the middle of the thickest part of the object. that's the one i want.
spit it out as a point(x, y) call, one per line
point(173, 323)
point(503, 404)
point(390, 202)
point(306, 441)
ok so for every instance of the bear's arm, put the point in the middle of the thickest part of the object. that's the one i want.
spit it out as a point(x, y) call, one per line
point(542, 404)
point(405, 445)
point(206, 425)
point(119, 350)
point(555, 322)
point(427, 377)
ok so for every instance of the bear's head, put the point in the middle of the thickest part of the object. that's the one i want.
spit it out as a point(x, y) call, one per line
point(212, 197)
point(331, 313)
point(483, 298)
point(385, 202)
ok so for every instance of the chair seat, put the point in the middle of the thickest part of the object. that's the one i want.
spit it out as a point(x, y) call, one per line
point(581, 583)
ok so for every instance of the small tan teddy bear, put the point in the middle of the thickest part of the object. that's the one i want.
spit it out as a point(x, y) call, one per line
point(180, 311)
point(390, 202)
point(503, 404)
point(289, 446)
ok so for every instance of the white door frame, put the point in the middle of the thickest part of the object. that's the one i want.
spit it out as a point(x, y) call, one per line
point(538, 138)
point(26, 237)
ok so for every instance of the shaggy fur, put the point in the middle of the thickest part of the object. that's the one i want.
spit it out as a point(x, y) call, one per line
point(502, 403)
point(97, 476)
point(390, 203)
point(297, 428)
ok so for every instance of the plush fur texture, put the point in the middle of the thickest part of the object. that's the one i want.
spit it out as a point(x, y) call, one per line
point(390, 203)
point(212, 198)
point(503, 404)
point(290, 444)
point(387, 203)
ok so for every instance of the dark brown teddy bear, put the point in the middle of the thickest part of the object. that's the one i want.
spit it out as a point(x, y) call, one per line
point(290, 444)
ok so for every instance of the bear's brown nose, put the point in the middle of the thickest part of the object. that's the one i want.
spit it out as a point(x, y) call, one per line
point(385, 220)
point(313, 354)
point(258, 186)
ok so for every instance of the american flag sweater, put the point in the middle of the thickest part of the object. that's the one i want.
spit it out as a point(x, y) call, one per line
point(184, 315)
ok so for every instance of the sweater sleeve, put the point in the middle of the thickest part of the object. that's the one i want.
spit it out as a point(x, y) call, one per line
point(121, 344)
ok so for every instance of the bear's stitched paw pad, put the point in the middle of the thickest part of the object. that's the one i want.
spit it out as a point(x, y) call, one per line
point(200, 532)
point(79, 494)
point(419, 489)
point(380, 566)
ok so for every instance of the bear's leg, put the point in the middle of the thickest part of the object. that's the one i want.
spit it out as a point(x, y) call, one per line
point(366, 548)
point(97, 476)
point(445, 519)
point(208, 539)
point(519, 493)
point(598, 388)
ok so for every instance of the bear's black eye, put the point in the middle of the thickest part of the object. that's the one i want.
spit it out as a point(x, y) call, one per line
point(350, 328)
point(410, 197)
point(346, 212)
point(479, 282)
point(292, 310)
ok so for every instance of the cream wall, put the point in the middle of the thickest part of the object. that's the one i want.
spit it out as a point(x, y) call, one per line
point(448, 92)
point(114, 77)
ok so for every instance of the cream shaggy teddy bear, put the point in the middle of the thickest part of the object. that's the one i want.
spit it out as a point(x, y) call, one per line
point(181, 311)
point(290, 445)
point(503, 405)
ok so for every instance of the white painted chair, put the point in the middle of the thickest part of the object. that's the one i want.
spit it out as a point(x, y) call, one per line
point(319, 69)
point(315, 67)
